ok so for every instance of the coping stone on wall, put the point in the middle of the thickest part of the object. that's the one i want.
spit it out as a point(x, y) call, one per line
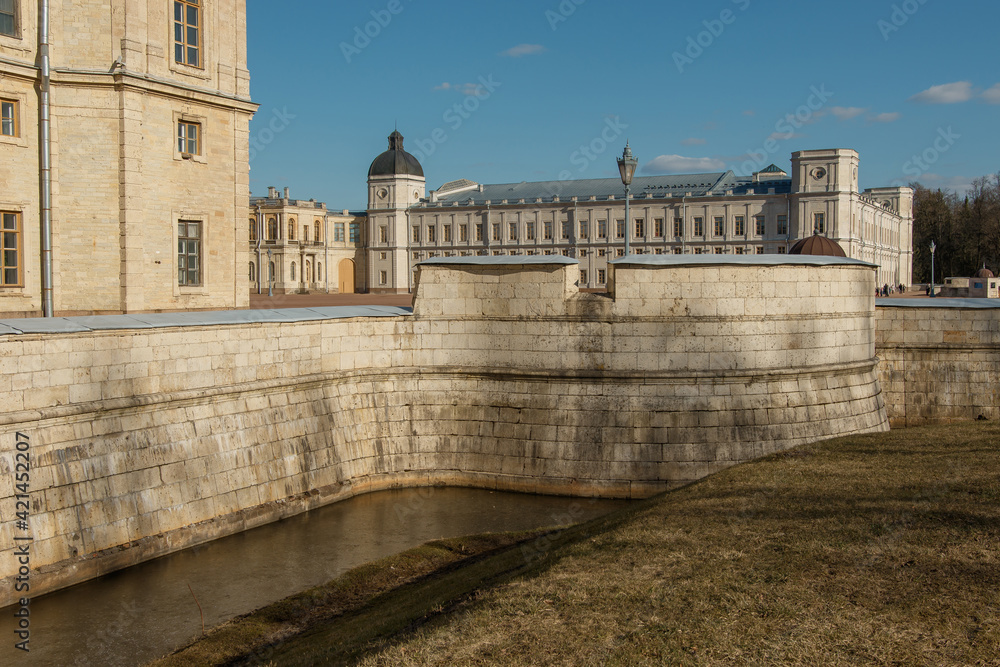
point(937, 302)
point(741, 260)
point(193, 319)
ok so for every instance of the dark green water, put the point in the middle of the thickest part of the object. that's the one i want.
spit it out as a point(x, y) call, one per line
point(136, 615)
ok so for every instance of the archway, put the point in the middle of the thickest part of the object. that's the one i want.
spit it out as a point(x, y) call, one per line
point(346, 276)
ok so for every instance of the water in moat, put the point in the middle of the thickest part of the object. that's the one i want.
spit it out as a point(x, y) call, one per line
point(136, 615)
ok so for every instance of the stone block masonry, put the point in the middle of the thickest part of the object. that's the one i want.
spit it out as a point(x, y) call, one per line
point(150, 439)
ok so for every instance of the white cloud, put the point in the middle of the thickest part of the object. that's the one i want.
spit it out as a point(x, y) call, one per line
point(992, 95)
point(523, 50)
point(889, 117)
point(947, 93)
point(957, 184)
point(782, 136)
point(847, 113)
point(678, 164)
point(464, 88)
point(693, 141)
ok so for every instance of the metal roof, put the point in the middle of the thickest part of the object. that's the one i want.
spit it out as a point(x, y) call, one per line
point(192, 319)
point(604, 189)
point(741, 260)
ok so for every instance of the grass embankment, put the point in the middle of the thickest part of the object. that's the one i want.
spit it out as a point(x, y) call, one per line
point(881, 549)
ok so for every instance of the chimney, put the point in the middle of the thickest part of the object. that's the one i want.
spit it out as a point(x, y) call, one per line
point(272, 192)
point(286, 194)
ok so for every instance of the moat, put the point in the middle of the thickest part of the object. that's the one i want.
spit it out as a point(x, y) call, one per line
point(135, 615)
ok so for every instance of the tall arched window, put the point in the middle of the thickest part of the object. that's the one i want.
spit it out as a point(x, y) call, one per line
point(253, 229)
point(253, 276)
point(270, 276)
point(291, 229)
point(272, 229)
point(293, 270)
point(307, 272)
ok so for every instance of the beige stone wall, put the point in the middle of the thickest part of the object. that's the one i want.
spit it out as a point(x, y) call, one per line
point(939, 364)
point(119, 184)
point(148, 441)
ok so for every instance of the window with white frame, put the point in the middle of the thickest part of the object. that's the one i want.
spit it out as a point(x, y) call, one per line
point(187, 32)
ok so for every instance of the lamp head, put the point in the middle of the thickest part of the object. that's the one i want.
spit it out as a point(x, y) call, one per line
point(626, 165)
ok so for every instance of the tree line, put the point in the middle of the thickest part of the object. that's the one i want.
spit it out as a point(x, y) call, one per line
point(965, 230)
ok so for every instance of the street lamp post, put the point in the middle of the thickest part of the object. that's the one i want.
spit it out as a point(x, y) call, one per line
point(626, 167)
point(933, 248)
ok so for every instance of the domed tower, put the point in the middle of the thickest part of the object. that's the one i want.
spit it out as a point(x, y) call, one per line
point(395, 183)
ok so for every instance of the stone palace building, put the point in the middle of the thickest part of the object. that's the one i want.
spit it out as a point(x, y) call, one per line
point(720, 213)
point(124, 156)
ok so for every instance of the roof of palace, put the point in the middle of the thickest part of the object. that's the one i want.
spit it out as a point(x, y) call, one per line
point(395, 161)
point(464, 192)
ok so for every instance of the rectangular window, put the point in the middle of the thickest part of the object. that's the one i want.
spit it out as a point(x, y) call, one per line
point(601, 276)
point(699, 227)
point(547, 231)
point(354, 229)
point(819, 223)
point(677, 251)
point(720, 226)
point(740, 251)
point(602, 229)
point(530, 231)
point(383, 255)
point(10, 247)
point(718, 251)
point(781, 250)
point(640, 228)
point(678, 227)
point(619, 229)
point(760, 250)
point(479, 231)
point(316, 232)
point(567, 229)
point(740, 225)
point(658, 227)
point(496, 232)
point(759, 228)
point(188, 253)
point(602, 252)
point(620, 252)
point(338, 232)
point(8, 18)
point(431, 234)
point(512, 231)
point(383, 234)
point(463, 232)
point(583, 276)
point(188, 138)
point(187, 32)
point(447, 233)
point(584, 229)
point(699, 251)
point(583, 252)
point(383, 277)
point(416, 234)
point(783, 225)
point(8, 117)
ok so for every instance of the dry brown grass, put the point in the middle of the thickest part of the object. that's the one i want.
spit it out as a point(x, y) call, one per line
point(881, 549)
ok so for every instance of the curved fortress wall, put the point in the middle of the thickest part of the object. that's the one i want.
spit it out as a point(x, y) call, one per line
point(145, 441)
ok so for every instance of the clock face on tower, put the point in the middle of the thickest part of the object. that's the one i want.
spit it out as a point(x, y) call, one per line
point(382, 193)
point(818, 173)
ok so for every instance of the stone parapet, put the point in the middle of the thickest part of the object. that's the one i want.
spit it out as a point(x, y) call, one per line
point(150, 439)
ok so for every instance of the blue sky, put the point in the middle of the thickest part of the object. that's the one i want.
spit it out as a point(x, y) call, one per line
point(550, 89)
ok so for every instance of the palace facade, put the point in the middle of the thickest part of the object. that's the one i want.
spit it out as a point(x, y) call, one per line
point(718, 213)
point(124, 156)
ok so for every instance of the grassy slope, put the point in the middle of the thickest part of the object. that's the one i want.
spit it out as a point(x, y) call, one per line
point(881, 549)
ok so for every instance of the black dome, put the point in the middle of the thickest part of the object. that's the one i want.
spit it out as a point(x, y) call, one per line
point(395, 161)
point(817, 245)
